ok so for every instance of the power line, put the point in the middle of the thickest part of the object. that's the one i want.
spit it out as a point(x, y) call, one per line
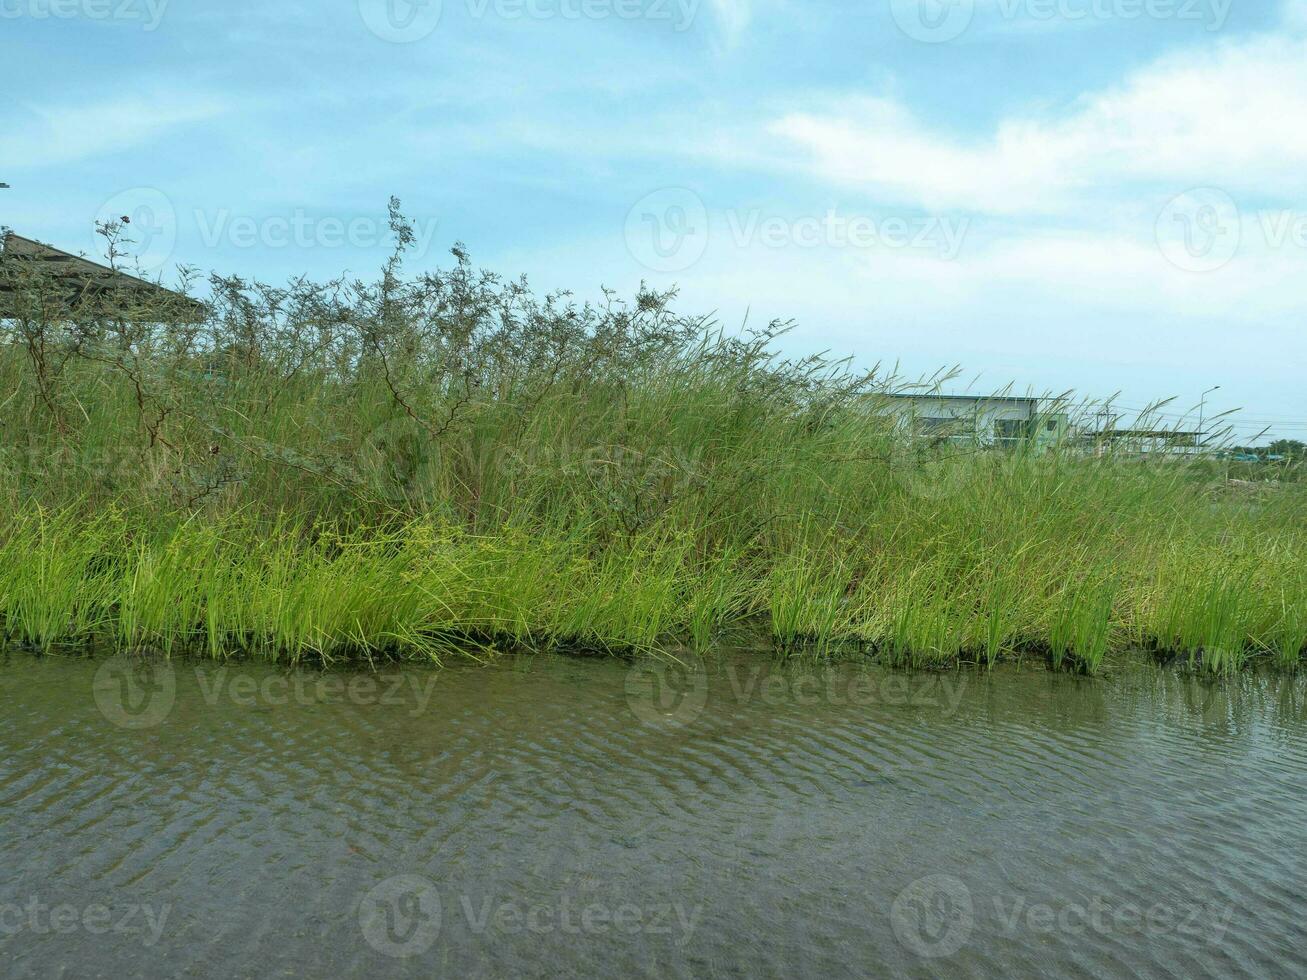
point(1231, 418)
point(1100, 407)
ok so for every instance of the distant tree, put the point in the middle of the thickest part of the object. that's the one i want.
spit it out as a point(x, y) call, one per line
point(1290, 448)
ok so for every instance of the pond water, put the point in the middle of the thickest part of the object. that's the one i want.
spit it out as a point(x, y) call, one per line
point(546, 816)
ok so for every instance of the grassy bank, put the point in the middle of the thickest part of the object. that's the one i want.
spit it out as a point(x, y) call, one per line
point(445, 464)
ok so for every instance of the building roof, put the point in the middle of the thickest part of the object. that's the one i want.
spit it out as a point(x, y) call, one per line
point(89, 280)
point(1018, 399)
point(1148, 433)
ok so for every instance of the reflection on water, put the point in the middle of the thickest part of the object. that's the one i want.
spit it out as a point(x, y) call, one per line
point(546, 816)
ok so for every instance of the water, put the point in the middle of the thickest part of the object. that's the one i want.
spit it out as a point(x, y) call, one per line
point(550, 816)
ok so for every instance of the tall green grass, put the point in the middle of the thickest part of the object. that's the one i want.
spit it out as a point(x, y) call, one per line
point(445, 465)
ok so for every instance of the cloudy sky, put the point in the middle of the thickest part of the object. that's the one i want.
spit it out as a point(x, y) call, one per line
point(1099, 195)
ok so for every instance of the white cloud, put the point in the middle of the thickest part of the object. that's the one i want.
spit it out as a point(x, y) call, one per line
point(54, 134)
point(1067, 209)
point(1228, 116)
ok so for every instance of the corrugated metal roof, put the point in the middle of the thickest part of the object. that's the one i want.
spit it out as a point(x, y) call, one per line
point(928, 396)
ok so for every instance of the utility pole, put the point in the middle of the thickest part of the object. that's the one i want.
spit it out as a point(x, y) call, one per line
point(1202, 404)
point(1106, 423)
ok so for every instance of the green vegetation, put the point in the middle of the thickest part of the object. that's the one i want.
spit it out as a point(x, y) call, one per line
point(447, 465)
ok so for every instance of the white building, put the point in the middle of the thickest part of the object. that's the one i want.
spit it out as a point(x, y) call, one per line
point(990, 420)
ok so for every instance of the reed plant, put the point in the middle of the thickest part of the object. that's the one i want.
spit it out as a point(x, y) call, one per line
point(444, 464)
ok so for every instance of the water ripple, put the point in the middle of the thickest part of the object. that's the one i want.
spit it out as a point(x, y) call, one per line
point(1147, 822)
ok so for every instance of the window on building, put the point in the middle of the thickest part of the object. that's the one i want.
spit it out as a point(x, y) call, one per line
point(1010, 430)
point(939, 426)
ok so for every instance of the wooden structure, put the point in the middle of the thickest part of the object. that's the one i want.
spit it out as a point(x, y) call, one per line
point(82, 284)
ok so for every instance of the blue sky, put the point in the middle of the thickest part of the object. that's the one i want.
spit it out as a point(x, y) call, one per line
point(1099, 195)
